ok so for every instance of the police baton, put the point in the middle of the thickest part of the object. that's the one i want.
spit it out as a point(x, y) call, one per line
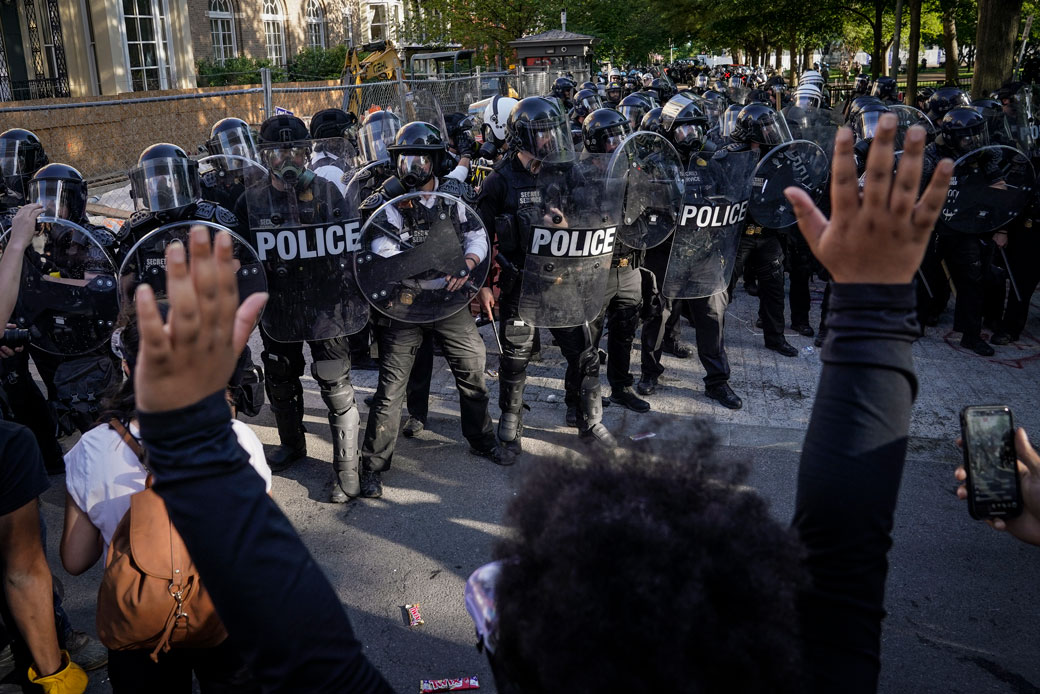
point(1007, 266)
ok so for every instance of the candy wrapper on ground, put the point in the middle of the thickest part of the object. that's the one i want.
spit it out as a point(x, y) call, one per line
point(455, 684)
point(414, 616)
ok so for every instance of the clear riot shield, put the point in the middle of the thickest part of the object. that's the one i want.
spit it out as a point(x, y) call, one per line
point(569, 231)
point(422, 105)
point(649, 173)
point(800, 163)
point(990, 187)
point(334, 159)
point(226, 176)
point(366, 180)
point(304, 240)
point(67, 297)
point(819, 125)
point(1024, 118)
point(145, 262)
point(908, 117)
point(412, 262)
point(711, 220)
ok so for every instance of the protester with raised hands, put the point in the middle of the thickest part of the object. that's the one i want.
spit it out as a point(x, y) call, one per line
point(278, 607)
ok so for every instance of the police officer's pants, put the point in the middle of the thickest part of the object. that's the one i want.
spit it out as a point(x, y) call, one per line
point(1023, 252)
point(283, 366)
point(762, 251)
point(398, 345)
point(622, 302)
point(800, 267)
point(967, 257)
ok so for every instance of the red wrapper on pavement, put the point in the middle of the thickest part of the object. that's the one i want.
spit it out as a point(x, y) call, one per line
point(455, 684)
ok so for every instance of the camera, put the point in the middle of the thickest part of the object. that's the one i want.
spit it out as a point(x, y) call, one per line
point(14, 338)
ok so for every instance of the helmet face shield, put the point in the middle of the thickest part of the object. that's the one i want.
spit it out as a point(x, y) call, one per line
point(375, 136)
point(774, 130)
point(14, 167)
point(158, 185)
point(866, 124)
point(728, 121)
point(688, 135)
point(807, 99)
point(634, 114)
point(237, 142)
point(969, 139)
point(62, 199)
point(591, 103)
point(415, 169)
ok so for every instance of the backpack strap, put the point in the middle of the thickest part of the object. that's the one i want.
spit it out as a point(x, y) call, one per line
point(128, 438)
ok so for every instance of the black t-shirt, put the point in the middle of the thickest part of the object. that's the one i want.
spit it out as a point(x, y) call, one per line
point(22, 475)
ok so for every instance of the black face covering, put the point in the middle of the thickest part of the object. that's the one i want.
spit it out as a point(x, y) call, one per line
point(414, 169)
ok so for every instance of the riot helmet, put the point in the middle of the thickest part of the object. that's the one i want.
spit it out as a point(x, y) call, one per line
point(760, 124)
point(285, 149)
point(333, 122)
point(997, 125)
point(867, 119)
point(701, 82)
point(634, 107)
point(713, 104)
point(663, 89)
point(812, 77)
point(563, 89)
point(496, 113)
point(537, 126)
point(164, 179)
point(21, 154)
point(417, 151)
point(885, 88)
point(862, 85)
point(377, 132)
point(589, 85)
point(604, 130)
point(684, 123)
point(942, 100)
point(652, 121)
point(61, 190)
point(231, 137)
point(613, 92)
point(963, 129)
point(735, 83)
point(807, 96)
point(860, 103)
point(586, 101)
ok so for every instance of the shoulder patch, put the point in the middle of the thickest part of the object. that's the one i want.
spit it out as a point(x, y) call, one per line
point(205, 211)
point(224, 216)
point(209, 179)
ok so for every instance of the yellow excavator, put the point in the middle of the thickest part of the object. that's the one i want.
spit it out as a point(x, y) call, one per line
point(379, 64)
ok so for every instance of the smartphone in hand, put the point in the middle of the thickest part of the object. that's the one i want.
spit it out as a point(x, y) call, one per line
point(988, 434)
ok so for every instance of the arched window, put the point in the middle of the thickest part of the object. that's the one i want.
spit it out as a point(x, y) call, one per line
point(315, 24)
point(273, 17)
point(222, 30)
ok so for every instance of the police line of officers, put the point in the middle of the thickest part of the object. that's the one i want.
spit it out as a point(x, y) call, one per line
point(308, 170)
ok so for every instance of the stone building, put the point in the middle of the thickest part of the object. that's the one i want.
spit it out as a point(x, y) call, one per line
point(56, 48)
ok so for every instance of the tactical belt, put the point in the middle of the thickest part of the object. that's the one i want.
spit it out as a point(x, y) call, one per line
point(752, 230)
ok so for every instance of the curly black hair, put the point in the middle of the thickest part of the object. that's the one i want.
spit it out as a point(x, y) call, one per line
point(647, 572)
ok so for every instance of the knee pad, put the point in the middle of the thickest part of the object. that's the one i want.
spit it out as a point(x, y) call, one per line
point(333, 377)
point(281, 392)
point(588, 363)
point(518, 340)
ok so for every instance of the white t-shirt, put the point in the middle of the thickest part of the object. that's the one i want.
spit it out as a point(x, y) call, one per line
point(101, 472)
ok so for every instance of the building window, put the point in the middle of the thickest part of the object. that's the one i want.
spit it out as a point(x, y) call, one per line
point(47, 41)
point(315, 25)
point(147, 44)
point(222, 30)
point(377, 25)
point(273, 18)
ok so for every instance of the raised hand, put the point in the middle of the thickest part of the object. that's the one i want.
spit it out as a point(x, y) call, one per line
point(879, 237)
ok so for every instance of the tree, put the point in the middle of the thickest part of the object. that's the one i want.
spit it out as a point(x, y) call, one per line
point(914, 47)
point(998, 29)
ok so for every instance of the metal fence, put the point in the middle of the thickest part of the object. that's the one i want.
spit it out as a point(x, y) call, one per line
point(103, 137)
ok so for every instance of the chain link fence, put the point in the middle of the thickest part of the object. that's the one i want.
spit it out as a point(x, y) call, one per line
point(103, 136)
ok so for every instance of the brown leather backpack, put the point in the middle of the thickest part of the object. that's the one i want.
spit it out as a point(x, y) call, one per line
point(151, 595)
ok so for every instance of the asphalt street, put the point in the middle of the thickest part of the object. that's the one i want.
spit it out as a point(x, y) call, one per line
point(963, 601)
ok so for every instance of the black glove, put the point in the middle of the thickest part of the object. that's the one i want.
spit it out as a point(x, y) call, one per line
point(465, 144)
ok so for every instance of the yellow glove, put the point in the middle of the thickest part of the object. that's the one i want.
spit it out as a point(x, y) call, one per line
point(70, 679)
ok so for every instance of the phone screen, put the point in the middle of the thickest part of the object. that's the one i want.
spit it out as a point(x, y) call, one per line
point(989, 440)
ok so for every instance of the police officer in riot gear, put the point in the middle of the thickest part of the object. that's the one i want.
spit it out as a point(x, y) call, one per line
point(418, 154)
point(334, 132)
point(563, 89)
point(686, 128)
point(886, 89)
point(509, 199)
point(613, 92)
point(230, 143)
point(968, 256)
point(603, 131)
point(284, 144)
point(942, 100)
point(21, 155)
point(493, 127)
point(634, 107)
point(760, 128)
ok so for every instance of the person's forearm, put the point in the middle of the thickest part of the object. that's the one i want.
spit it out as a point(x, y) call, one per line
point(848, 481)
point(30, 598)
point(274, 600)
point(10, 275)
